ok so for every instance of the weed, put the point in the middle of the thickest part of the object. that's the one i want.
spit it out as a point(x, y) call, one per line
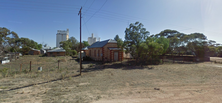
point(91, 65)
point(3, 87)
point(52, 70)
point(4, 72)
point(25, 71)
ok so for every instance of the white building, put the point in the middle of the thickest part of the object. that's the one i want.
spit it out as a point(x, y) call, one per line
point(62, 35)
point(92, 40)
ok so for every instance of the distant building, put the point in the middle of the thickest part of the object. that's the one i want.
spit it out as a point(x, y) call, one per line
point(92, 39)
point(106, 50)
point(62, 35)
point(56, 52)
point(34, 52)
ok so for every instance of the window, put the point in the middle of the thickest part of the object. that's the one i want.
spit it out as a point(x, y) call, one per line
point(95, 53)
point(98, 53)
point(89, 52)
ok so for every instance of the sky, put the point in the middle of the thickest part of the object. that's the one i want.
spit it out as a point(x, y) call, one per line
point(39, 20)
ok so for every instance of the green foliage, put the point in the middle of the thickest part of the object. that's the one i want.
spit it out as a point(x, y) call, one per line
point(26, 42)
point(25, 50)
point(85, 43)
point(152, 48)
point(134, 36)
point(4, 72)
point(8, 41)
point(74, 52)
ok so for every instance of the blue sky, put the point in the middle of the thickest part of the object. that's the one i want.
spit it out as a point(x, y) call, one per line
point(39, 20)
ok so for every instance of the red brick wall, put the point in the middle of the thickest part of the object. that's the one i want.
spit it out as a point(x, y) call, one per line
point(94, 54)
point(106, 53)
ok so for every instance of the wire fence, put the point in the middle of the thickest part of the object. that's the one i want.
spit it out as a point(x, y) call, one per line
point(53, 68)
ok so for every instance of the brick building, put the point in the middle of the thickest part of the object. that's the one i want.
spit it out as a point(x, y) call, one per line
point(56, 52)
point(106, 50)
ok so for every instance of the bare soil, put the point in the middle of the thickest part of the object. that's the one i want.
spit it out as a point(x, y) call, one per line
point(116, 83)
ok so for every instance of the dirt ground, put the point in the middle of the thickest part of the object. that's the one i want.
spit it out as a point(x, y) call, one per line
point(117, 83)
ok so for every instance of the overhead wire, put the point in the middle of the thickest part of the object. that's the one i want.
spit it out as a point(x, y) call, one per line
point(96, 12)
point(89, 6)
point(44, 3)
point(63, 6)
point(85, 3)
point(86, 27)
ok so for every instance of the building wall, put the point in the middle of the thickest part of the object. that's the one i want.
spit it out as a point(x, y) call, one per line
point(62, 35)
point(95, 53)
point(56, 53)
point(34, 52)
point(105, 53)
point(86, 52)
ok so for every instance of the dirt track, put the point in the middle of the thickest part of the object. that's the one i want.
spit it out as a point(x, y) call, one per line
point(181, 83)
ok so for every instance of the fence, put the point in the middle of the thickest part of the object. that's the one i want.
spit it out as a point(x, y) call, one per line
point(33, 66)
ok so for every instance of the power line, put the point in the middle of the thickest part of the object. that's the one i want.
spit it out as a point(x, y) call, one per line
point(33, 6)
point(44, 3)
point(85, 3)
point(63, 10)
point(86, 26)
point(89, 6)
point(96, 12)
point(37, 10)
point(48, 9)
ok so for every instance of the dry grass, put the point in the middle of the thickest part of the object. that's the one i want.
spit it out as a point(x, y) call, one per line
point(115, 82)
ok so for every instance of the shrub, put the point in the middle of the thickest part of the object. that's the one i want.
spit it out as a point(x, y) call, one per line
point(74, 52)
point(4, 72)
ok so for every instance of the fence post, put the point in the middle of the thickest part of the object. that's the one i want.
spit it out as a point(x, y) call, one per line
point(30, 66)
point(58, 64)
point(20, 67)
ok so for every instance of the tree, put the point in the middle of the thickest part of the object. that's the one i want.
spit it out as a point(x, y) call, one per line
point(74, 43)
point(8, 41)
point(116, 38)
point(85, 44)
point(120, 43)
point(152, 48)
point(134, 36)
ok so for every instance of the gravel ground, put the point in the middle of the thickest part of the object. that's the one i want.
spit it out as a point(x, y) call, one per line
point(118, 83)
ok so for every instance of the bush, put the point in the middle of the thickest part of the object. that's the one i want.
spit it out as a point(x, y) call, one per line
point(4, 72)
point(73, 52)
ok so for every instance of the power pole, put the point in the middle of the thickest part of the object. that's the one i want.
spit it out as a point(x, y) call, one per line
point(80, 58)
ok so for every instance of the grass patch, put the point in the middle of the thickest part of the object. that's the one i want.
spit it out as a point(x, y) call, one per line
point(4, 72)
point(2, 87)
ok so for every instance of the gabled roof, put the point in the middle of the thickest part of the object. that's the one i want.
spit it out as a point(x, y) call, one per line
point(34, 49)
point(100, 44)
point(57, 50)
point(86, 48)
point(44, 48)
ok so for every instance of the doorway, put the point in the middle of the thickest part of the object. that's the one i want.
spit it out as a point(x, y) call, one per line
point(115, 56)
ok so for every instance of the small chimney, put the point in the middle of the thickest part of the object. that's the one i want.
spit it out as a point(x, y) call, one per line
point(92, 35)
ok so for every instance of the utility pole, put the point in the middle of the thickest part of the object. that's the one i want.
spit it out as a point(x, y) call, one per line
point(80, 58)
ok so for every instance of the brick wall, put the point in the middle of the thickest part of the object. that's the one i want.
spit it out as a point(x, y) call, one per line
point(95, 53)
point(105, 53)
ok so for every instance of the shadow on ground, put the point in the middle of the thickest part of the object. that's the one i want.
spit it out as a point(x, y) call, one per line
point(91, 66)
